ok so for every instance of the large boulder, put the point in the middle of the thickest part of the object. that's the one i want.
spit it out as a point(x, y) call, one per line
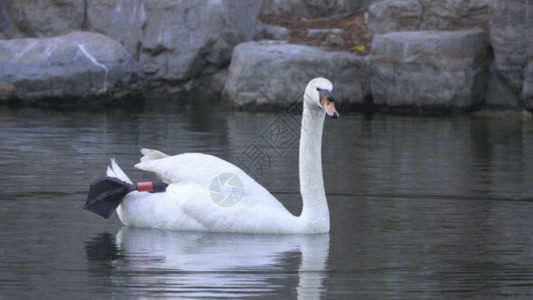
point(185, 38)
point(269, 74)
point(512, 39)
point(430, 69)
point(76, 66)
point(413, 15)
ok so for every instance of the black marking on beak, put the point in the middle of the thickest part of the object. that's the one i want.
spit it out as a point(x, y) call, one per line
point(329, 94)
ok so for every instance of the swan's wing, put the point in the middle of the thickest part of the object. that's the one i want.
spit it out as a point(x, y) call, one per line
point(201, 170)
point(197, 168)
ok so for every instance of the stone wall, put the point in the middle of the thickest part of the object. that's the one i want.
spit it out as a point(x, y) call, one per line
point(181, 46)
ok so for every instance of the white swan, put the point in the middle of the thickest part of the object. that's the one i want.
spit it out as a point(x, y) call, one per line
point(187, 204)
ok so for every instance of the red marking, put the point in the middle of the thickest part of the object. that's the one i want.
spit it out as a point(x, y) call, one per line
point(145, 186)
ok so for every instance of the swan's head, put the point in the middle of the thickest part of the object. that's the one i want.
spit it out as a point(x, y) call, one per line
point(319, 95)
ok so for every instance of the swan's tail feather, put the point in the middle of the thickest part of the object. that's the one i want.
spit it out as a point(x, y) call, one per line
point(150, 154)
point(114, 170)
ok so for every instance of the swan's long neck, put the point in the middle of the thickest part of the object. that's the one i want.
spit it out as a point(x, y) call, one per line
point(315, 212)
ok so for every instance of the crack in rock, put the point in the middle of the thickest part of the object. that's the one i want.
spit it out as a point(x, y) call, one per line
point(96, 63)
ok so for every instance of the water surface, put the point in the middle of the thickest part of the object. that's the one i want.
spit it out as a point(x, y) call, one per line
point(421, 207)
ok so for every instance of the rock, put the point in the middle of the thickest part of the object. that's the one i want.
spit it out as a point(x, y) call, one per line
point(79, 65)
point(274, 32)
point(500, 96)
point(41, 18)
point(311, 32)
point(389, 16)
point(335, 40)
point(431, 70)
point(331, 36)
point(312, 8)
point(455, 14)
point(511, 37)
point(269, 74)
point(185, 37)
point(122, 20)
point(210, 86)
point(413, 15)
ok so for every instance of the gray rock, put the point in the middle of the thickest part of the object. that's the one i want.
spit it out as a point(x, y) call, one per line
point(313, 32)
point(455, 14)
point(332, 36)
point(75, 66)
point(432, 70)
point(413, 15)
point(41, 18)
point(335, 40)
point(512, 39)
point(394, 15)
point(185, 42)
point(270, 74)
point(122, 20)
point(312, 8)
point(274, 32)
point(500, 96)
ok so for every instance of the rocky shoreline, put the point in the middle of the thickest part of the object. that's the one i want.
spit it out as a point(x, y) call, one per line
point(412, 55)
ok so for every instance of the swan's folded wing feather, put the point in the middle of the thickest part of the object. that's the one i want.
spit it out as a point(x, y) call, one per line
point(197, 168)
point(149, 154)
point(199, 171)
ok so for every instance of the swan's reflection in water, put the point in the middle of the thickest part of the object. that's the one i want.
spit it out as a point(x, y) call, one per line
point(190, 264)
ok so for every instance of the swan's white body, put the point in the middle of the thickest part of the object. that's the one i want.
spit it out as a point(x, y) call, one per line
point(187, 204)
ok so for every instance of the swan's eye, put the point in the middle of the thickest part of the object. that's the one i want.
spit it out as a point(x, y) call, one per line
point(321, 92)
point(324, 94)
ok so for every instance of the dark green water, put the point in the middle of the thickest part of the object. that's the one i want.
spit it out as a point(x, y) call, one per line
point(421, 208)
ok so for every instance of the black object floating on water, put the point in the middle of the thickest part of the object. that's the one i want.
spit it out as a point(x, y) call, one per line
point(106, 193)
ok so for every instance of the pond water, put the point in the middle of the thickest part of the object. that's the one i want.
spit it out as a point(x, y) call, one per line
point(421, 207)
